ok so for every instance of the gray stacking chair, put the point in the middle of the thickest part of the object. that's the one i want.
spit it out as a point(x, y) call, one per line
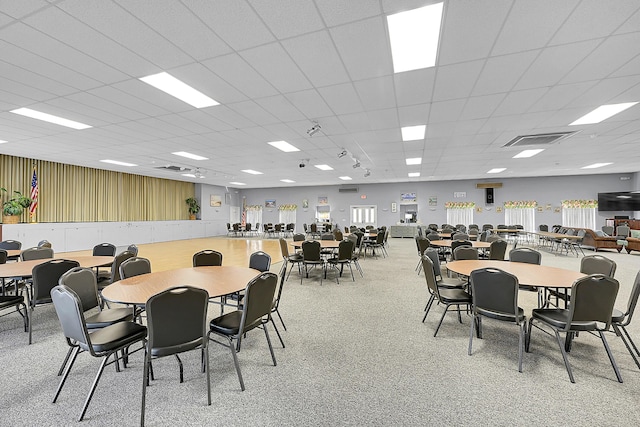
point(311, 257)
point(207, 257)
point(105, 344)
point(176, 322)
point(592, 300)
point(495, 295)
point(344, 257)
point(255, 313)
point(45, 277)
point(134, 267)
point(497, 249)
point(260, 261)
point(620, 320)
point(36, 253)
point(449, 297)
point(288, 258)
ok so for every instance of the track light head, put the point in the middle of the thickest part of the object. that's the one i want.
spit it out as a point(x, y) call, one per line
point(367, 173)
point(314, 129)
point(342, 153)
point(356, 164)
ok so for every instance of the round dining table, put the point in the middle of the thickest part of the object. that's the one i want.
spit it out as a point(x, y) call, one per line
point(324, 244)
point(23, 268)
point(447, 244)
point(217, 281)
point(527, 274)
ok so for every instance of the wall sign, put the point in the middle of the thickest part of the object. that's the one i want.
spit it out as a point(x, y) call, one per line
point(408, 197)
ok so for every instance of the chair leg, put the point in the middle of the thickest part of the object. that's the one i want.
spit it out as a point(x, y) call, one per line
point(93, 386)
point(235, 362)
point(281, 321)
point(266, 334)
point(564, 356)
point(145, 382)
point(441, 319)
point(527, 336)
point(64, 362)
point(473, 323)
point(67, 369)
point(277, 331)
point(428, 306)
point(181, 369)
point(521, 339)
point(611, 359)
point(628, 341)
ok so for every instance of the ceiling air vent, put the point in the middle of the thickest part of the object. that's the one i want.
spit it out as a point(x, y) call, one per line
point(539, 139)
point(170, 168)
point(348, 189)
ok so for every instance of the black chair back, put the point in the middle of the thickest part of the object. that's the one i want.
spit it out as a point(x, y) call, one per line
point(260, 261)
point(135, 267)
point(526, 255)
point(208, 258)
point(592, 299)
point(311, 250)
point(258, 300)
point(46, 276)
point(597, 264)
point(36, 253)
point(104, 249)
point(494, 290)
point(11, 245)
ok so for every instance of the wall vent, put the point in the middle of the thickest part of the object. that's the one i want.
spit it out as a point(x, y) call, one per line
point(539, 139)
point(348, 189)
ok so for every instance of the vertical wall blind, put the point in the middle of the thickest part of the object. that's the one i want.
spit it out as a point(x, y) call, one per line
point(79, 194)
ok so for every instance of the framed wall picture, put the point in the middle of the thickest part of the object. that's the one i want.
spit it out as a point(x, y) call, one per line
point(408, 198)
point(394, 207)
point(433, 201)
point(305, 203)
point(499, 209)
point(215, 200)
point(323, 200)
point(270, 203)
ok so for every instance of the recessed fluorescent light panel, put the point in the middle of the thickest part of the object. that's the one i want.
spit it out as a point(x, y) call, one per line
point(345, 178)
point(28, 112)
point(413, 133)
point(283, 146)
point(237, 183)
point(2, 141)
point(324, 167)
point(190, 175)
point(414, 36)
point(497, 170)
point(116, 162)
point(288, 181)
point(414, 161)
point(189, 155)
point(413, 174)
point(252, 172)
point(596, 165)
point(528, 153)
point(601, 113)
point(174, 87)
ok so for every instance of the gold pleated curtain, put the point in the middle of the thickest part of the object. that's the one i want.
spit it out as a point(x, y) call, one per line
point(79, 194)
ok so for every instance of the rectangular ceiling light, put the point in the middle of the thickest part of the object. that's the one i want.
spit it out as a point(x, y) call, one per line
point(497, 170)
point(237, 183)
point(601, 113)
point(288, 181)
point(528, 153)
point(414, 161)
point(174, 87)
point(116, 162)
point(596, 165)
point(414, 174)
point(414, 36)
point(283, 146)
point(413, 133)
point(251, 171)
point(324, 167)
point(345, 178)
point(190, 175)
point(28, 112)
point(2, 141)
point(189, 155)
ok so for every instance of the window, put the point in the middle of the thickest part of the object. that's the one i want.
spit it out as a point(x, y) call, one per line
point(579, 213)
point(362, 216)
point(460, 212)
point(521, 213)
point(287, 214)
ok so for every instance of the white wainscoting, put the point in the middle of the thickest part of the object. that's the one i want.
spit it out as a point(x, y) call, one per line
point(76, 236)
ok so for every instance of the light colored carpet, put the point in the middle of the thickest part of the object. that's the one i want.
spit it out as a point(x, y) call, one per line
point(356, 354)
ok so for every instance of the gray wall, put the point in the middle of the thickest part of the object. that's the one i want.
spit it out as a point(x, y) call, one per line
point(545, 190)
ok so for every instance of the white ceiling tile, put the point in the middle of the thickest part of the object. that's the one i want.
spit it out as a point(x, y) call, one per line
point(383, 119)
point(170, 19)
point(462, 38)
point(275, 65)
point(253, 112)
point(310, 103)
point(364, 48)
point(530, 25)
point(561, 95)
point(414, 87)
point(377, 93)
point(19, 9)
point(233, 21)
point(301, 17)
point(613, 53)
point(456, 81)
point(605, 92)
point(446, 111)
point(414, 115)
point(317, 57)
point(242, 76)
point(342, 98)
point(519, 102)
point(593, 19)
point(480, 107)
point(553, 63)
point(280, 107)
point(358, 122)
point(500, 73)
point(337, 12)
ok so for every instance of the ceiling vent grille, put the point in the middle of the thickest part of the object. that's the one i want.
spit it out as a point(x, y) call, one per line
point(170, 168)
point(348, 189)
point(539, 139)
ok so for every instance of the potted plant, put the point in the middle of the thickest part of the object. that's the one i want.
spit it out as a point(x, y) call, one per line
point(12, 209)
point(194, 207)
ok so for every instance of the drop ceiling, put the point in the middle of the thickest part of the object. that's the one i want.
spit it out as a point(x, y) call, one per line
point(504, 68)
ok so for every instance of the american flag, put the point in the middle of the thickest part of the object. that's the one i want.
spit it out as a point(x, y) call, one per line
point(34, 193)
point(244, 211)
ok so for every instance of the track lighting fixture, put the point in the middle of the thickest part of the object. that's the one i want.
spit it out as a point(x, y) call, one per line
point(356, 164)
point(314, 129)
point(367, 173)
point(342, 153)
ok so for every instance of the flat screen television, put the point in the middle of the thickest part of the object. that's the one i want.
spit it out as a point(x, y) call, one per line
point(621, 201)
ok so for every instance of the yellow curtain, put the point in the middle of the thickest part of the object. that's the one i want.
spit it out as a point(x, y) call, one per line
point(79, 194)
